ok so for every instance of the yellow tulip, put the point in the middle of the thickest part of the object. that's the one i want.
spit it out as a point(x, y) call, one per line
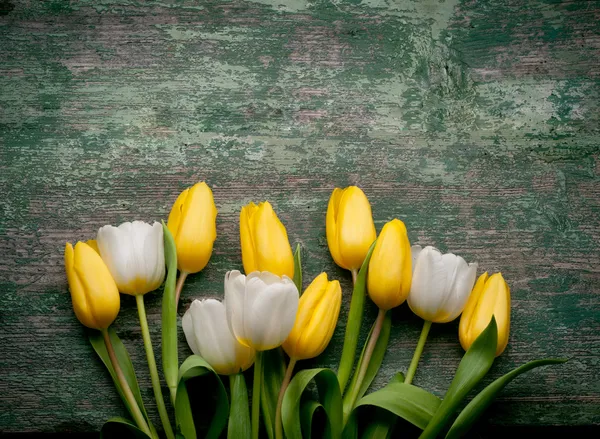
point(192, 222)
point(318, 312)
point(490, 297)
point(390, 268)
point(94, 293)
point(264, 241)
point(349, 226)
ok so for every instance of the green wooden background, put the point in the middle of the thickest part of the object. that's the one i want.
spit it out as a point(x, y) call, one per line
point(475, 122)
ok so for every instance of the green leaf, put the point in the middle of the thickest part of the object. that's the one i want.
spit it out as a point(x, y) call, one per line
point(374, 364)
point(409, 402)
point(329, 397)
point(170, 357)
point(195, 366)
point(474, 365)
point(354, 322)
point(298, 268)
point(239, 426)
point(273, 372)
point(308, 410)
point(382, 425)
point(97, 342)
point(121, 427)
point(477, 406)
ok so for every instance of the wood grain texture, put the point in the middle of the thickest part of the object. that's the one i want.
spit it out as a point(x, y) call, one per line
point(475, 122)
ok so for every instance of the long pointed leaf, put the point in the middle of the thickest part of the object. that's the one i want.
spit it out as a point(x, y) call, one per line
point(481, 402)
point(195, 366)
point(239, 426)
point(121, 427)
point(354, 322)
point(273, 373)
point(329, 397)
point(308, 410)
point(382, 425)
point(298, 268)
point(170, 358)
point(474, 365)
point(97, 342)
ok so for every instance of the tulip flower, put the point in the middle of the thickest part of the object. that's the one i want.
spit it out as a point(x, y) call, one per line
point(192, 222)
point(96, 302)
point(134, 254)
point(490, 297)
point(318, 311)
point(261, 311)
point(94, 293)
point(349, 227)
point(390, 268)
point(208, 335)
point(264, 241)
point(441, 285)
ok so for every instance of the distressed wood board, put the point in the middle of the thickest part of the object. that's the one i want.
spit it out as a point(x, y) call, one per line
point(475, 122)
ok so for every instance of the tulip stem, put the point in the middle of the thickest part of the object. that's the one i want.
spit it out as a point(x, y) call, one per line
point(284, 385)
point(182, 277)
point(354, 276)
point(410, 374)
point(138, 417)
point(364, 365)
point(256, 386)
point(160, 402)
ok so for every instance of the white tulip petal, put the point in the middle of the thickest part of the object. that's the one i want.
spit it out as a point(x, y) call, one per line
point(461, 290)
point(265, 277)
point(235, 292)
point(115, 253)
point(187, 322)
point(428, 284)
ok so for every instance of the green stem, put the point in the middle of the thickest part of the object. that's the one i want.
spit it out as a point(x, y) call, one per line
point(418, 351)
point(138, 417)
point(256, 385)
point(182, 277)
point(238, 426)
point(364, 364)
point(286, 381)
point(160, 402)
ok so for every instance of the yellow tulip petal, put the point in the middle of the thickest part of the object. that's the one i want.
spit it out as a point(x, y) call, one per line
point(331, 228)
point(246, 239)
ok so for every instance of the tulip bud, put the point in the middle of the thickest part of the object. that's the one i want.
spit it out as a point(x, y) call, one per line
point(95, 296)
point(264, 240)
point(208, 335)
point(261, 308)
point(349, 227)
point(318, 312)
point(490, 297)
point(441, 285)
point(192, 222)
point(134, 255)
point(390, 268)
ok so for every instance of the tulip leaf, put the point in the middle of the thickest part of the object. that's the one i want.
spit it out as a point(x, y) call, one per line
point(195, 366)
point(239, 415)
point(308, 410)
point(481, 402)
point(406, 401)
point(97, 342)
point(383, 422)
point(354, 322)
point(374, 364)
point(273, 372)
point(298, 268)
point(329, 396)
point(170, 357)
point(121, 427)
point(474, 365)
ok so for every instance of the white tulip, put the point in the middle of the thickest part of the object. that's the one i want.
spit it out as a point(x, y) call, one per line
point(208, 334)
point(441, 284)
point(261, 308)
point(134, 254)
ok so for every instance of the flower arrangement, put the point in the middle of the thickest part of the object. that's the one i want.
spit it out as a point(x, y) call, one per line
point(266, 323)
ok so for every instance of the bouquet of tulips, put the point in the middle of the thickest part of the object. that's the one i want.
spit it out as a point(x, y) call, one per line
point(264, 321)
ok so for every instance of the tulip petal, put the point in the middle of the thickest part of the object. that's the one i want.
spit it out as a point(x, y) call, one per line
point(115, 254)
point(235, 287)
point(428, 284)
point(461, 289)
point(415, 252)
point(187, 322)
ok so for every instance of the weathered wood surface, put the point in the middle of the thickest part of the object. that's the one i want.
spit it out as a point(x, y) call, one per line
point(476, 122)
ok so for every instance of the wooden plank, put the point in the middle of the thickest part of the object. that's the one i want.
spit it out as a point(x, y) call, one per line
point(477, 123)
